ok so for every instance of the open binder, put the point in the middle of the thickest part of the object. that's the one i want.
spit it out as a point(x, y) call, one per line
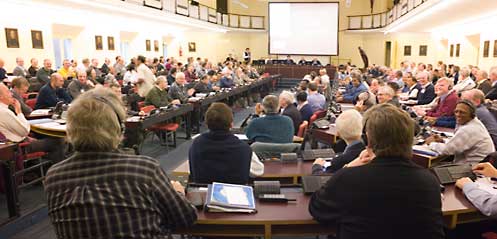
point(223, 197)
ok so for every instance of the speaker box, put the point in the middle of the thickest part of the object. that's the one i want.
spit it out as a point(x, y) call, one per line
point(222, 6)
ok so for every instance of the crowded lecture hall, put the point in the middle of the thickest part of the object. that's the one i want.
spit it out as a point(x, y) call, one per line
point(331, 119)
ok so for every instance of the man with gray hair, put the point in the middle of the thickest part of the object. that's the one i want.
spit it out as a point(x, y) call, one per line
point(488, 120)
point(271, 127)
point(482, 82)
point(349, 127)
point(158, 95)
point(288, 108)
point(19, 70)
point(492, 94)
point(106, 185)
point(465, 82)
point(179, 90)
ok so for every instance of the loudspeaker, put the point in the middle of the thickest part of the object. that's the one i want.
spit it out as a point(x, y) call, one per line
point(222, 6)
point(194, 3)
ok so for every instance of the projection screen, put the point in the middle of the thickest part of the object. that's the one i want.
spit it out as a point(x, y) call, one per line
point(303, 28)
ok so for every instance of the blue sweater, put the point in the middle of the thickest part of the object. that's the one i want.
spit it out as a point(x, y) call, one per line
point(226, 82)
point(351, 94)
point(48, 97)
point(219, 156)
point(306, 112)
point(272, 128)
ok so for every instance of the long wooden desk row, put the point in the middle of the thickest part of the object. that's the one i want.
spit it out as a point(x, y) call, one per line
point(295, 71)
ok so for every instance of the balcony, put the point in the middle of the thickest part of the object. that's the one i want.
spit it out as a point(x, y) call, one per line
point(382, 20)
point(204, 13)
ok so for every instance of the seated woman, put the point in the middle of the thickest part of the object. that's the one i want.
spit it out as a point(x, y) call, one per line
point(218, 155)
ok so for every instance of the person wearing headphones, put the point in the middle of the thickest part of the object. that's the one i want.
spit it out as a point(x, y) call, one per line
point(91, 192)
point(471, 142)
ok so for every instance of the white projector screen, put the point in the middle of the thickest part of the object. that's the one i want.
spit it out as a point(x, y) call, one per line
point(303, 28)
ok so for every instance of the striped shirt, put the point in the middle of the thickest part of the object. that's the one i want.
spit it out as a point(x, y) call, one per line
point(112, 195)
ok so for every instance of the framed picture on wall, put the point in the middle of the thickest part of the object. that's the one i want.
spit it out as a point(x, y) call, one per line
point(12, 37)
point(458, 49)
point(486, 48)
point(495, 48)
point(451, 50)
point(37, 39)
point(110, 43)
point(147, 45)
point(192, 47)
point(156, 45)
point(423, 50)
point(98, 43)
point(407, 50)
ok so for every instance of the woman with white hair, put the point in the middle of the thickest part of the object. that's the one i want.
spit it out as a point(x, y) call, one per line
point(349, 128)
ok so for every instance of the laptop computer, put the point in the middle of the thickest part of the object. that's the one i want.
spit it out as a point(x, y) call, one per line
point(449, 174)
point(310, 184)
point(313, 154)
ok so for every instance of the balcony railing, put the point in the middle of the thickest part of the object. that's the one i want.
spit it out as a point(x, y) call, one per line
point(380, 20)
point(204, 13)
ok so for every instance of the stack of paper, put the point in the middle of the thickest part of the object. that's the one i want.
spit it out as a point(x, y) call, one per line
point(222, 197)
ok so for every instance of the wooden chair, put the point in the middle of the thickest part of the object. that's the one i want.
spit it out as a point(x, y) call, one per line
point(318, 114)
point(300, 135)
point(164, 130)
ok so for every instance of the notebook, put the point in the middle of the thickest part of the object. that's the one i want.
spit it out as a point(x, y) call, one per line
point(223, 197)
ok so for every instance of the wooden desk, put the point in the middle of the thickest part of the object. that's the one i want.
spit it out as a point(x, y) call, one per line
point(271, 219)
point(295, 71)
point(275, 170)
point(48, 127)
point(292, 219)
point(7, 162)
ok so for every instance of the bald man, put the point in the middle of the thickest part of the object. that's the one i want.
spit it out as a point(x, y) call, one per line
point(52, 93)
point(478, 98)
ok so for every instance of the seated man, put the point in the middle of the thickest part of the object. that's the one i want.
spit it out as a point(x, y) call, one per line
point(303, 106)
point(484, 200)
point(465, 82)
point(204, 85)
point(316, 100)
point(352, 91)
point(218, 155)
point(427, 92)
point(15, 128)
point(178, 90)
point(443, 105)
point(272, 127)
point(158, 95)
point(51, 93)
point(411, 88)
point(371, 201)
point(107, 185)
point(349, 127)
point(487, 119)
point(386, 95)
point(77, 87)
point(471, 142)
point(288, 108)
point(227, 80)
point(19, 87)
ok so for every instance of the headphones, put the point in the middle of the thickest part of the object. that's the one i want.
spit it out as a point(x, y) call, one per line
point(472, 108)
point(105, 101)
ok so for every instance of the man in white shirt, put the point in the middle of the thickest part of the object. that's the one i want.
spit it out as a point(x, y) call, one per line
point(465, 81)
point(145, 77)
point(14, 127)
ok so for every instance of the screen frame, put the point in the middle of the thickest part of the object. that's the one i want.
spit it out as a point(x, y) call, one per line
point(269, 29)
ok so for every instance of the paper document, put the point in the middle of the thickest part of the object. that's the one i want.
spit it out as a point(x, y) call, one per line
point(235, 195)
point(40, 112)
point(241, 136)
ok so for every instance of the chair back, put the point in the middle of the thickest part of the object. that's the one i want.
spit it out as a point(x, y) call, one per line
point(259, 147)
point(147, 108)
point(31, 103)
point(302, 128)
point(318, 114)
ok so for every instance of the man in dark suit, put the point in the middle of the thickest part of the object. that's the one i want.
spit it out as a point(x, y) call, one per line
point(482, 81)
point(303, 106)
point(371, 197)
point(218, 155)
point(51, 93)
point(492, 94)
point(427, 93)
point(349, 127)
point(289, 109)
point(289, 60)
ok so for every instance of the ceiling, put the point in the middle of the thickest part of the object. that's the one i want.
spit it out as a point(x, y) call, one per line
point(436, 15)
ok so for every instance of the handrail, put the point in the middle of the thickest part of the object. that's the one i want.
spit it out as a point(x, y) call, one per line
point(205, 13)
point(383, 19)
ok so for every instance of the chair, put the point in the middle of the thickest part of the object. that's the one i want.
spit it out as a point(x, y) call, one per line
point(318, 114)
point(31, 95)
point(31, 103)
point(163, 129)
point(260, 147)
point(141, 104)
point(299, 138)
point(36, 157)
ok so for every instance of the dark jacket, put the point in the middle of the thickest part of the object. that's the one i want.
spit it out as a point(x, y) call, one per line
point(340, 160)
point(492, 94)
point(388, 198)
point(294, 114)
point(219, 156)
point(306, 112)
point(427, 95)
point(200, 87)
point(49, 97)
point(485, 86)
point(157, 97)
point(227, 82)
